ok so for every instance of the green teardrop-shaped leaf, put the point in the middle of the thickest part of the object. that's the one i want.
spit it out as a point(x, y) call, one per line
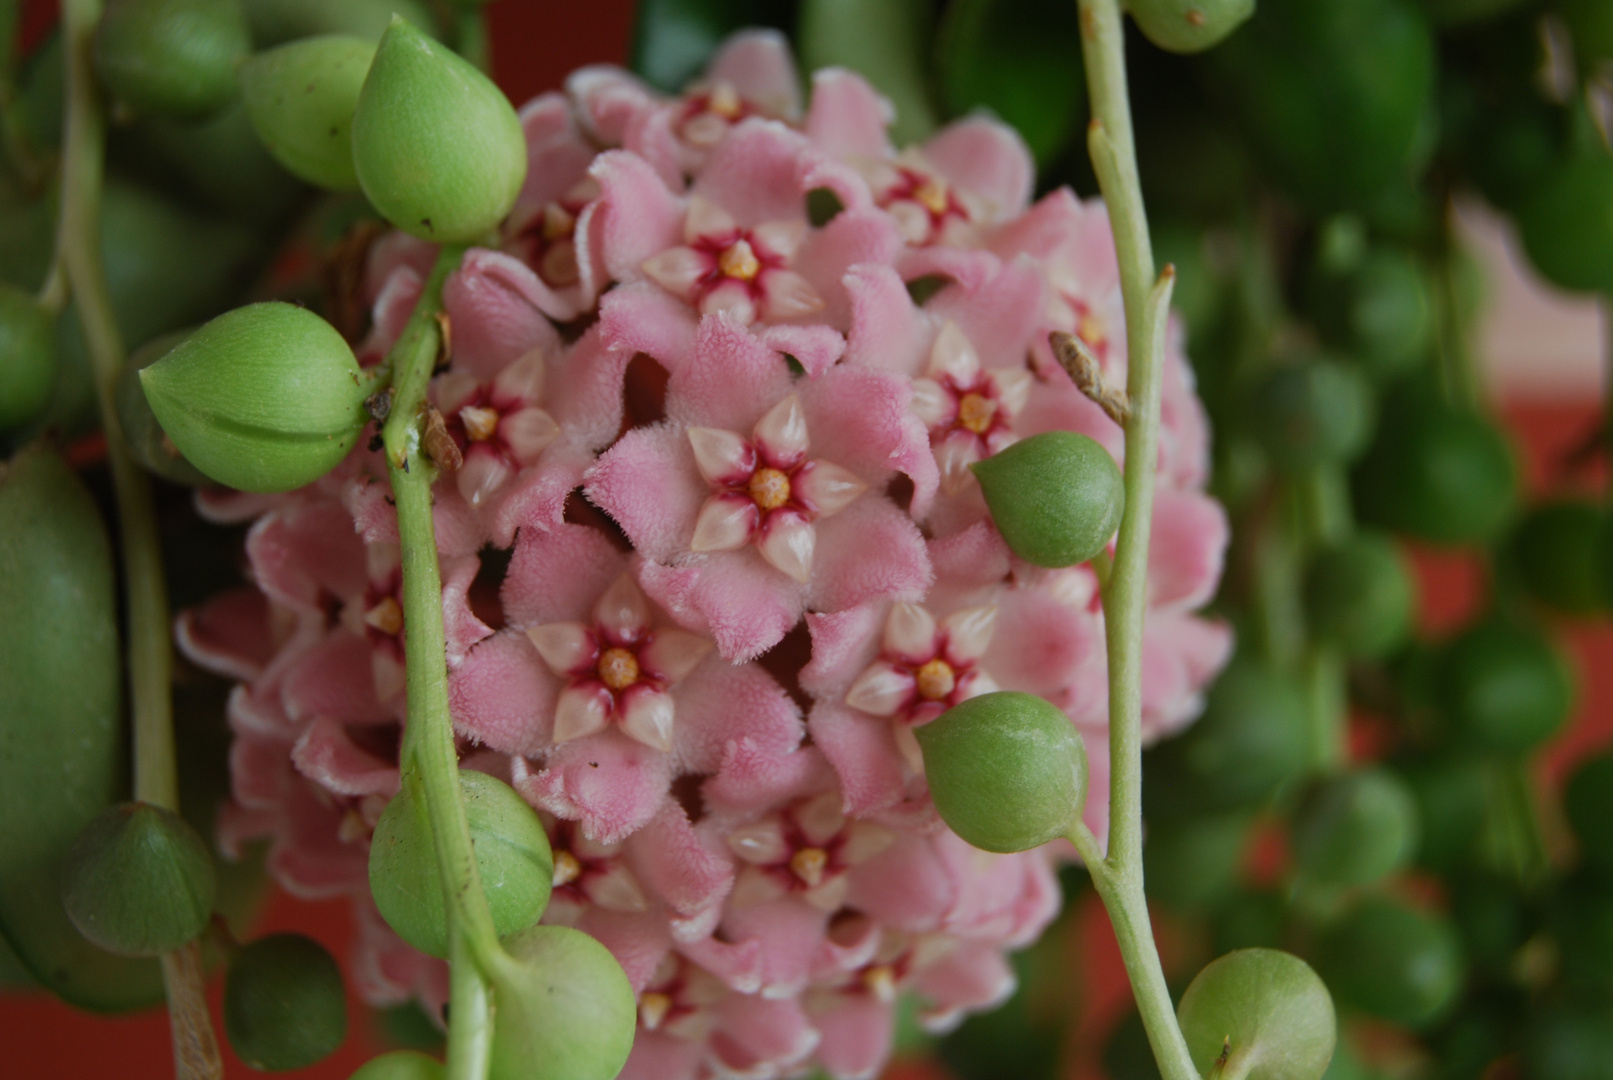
point(264, 398)
point(61, 760)
point(565, 1008)
point(437, 147)
point(886, 41)
point(139, 881)
point(1022, 60)
point(301, 99)
point(275, 22)
point(175, 57)
point(28, 344)
point(284, 1003)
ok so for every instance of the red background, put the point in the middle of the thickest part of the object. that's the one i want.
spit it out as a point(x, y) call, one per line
point(535, 43)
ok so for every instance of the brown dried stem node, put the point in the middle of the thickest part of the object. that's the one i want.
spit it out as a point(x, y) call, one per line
point(1087, 374)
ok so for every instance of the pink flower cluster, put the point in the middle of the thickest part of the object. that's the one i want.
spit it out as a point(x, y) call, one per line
point(714, 552)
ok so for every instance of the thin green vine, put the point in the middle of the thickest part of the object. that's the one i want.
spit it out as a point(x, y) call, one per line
point(1119, 876)
point(150, 651)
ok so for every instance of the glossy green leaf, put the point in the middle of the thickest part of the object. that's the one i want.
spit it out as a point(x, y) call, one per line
point(61, 743)
point(301, 98)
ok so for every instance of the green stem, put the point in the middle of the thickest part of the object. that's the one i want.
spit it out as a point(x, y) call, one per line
point(1322, 519)
point(150, 655)
point(1119, 877)
point(430, 762)
point(1458, 367)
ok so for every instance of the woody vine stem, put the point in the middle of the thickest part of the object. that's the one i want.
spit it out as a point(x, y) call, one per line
point(1118, 875)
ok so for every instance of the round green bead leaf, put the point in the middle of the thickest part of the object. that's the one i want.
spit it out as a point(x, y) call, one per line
point(172, 56)
point(138, 881)
point(1313, 413)
point(264, 398)
point(301, 98)
point(1361, 595)
point(512, 854)
point(1567, 224)
point(1007, 771)
point(1263, 1014)
point(284, 1004)
point(28, 344)
point(1436, 473)
point(1393, 961)
point(1056, 497)
point(1504, 687)
point(401, 1065)
point(1355, 828)
point(1560, 555)
point(437, 147)
point(565, 1009)
point(1189, 26)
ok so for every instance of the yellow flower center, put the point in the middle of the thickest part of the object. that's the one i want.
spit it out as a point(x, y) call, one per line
point(652, 1009)
point(387, 616)
point(558, 222)
point(724, 101)
point(808, 865)
point(975, 412)
point(618, 669)
point(739, 261)
point(770, 488)
point(1090, 329)
point(936, 679)
point(932, 195)
point(881, 982)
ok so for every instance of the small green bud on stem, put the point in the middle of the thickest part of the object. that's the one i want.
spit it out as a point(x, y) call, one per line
point(1056, 497)
point(512, 855)
point(1007, 771)
point(436, 146)
point(138, 881)
point(565, 1009)
point(1259, 1014)
point(267, 397)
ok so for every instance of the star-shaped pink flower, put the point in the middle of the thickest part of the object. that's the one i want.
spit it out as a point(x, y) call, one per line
point(721, 266)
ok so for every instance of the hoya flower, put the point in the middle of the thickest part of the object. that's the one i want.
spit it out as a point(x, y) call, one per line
point(969, 411)
point(609, 696)
point(711, 497)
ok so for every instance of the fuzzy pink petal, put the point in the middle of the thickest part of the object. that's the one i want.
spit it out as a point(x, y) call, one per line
point(638, 941)
point(536, 496)
point(972, 975)
point(557, 576)
point(753, 778)
point(844, 643)
point(973, 559)
point(720, 702)
point(459, 532)
point(1051, 224)
point(584, 389)
point(868, 551)
point(1180, 656)
point(649, 484)
point(1001, 316)
point(887, 332)
point(307, 856)
point(791, 933)
point(1056, 405)
point(864, 754)
point(639, 217)
point(907, 886)
point(758, 64)
point(657, 1055)
point(988, 159)
point(816, 348)
point(305, 552)
point(755, 173)
point(1186, 549)
point(607, 97)
point(860, 420)
point(610, 783)
point(328, 757)
point(1042, 647)
point(678, 865)
point(503, 696)
point(333, 680)
point(228, 634)
point(759, 1036)
point(462, 626)
point(742, 602)
point(857, 1038)
point(643, 317)
point(848, 117)
point(649, 135)
point(852, 238)
point(226, 506)
point(730, 379)
point(550, 132)
point(496, 304)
